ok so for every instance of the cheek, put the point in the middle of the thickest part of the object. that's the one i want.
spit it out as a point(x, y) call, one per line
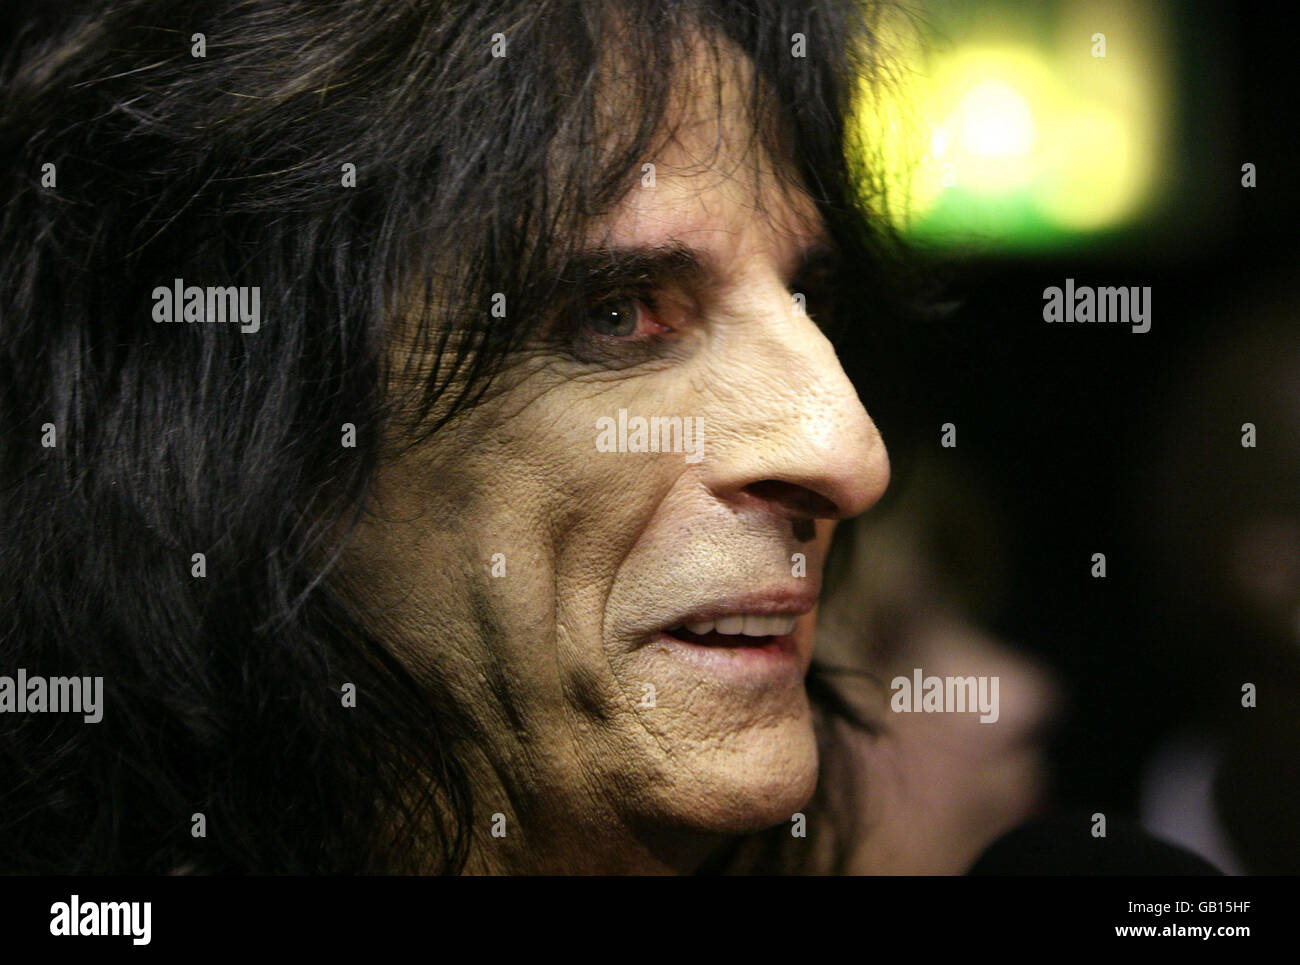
point(580, 450)
point(513, 514)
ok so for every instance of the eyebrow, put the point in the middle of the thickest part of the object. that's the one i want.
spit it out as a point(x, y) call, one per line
point(657, 264)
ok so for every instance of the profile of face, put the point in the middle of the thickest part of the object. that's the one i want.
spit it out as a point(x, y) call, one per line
point(628, 631)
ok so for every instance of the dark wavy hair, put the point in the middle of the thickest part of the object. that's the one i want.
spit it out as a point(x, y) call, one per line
point(474, 174)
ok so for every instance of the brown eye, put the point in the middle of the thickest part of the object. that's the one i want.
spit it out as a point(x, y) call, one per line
point(615, 317)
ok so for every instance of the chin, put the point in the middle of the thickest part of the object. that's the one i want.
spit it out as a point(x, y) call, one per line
point(763, 778)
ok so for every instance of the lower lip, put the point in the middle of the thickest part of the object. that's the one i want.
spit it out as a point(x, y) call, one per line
point(768, 657)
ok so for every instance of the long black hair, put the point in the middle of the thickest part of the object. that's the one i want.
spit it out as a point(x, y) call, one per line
point(135, 152)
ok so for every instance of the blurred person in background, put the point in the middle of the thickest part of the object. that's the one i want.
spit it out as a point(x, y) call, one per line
point(1217, 512)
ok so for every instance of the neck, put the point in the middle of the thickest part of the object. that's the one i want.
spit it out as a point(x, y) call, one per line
point(546, 843)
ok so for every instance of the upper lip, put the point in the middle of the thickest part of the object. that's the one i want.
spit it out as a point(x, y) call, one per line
point(788, 603)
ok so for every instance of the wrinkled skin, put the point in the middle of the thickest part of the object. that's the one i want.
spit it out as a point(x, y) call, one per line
point(552, 660)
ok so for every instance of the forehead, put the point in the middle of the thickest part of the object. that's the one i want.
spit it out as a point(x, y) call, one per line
point(711, 182)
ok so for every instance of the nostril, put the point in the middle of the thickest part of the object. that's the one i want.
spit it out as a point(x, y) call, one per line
point(794, 500)
point(804, 529)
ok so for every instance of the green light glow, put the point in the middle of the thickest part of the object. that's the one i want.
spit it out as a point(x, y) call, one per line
point(1024, 141)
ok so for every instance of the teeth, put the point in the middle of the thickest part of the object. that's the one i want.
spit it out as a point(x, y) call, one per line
point(767, 626)
point(746, 624)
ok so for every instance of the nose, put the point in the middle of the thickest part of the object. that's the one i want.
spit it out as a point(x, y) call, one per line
point(801, 443)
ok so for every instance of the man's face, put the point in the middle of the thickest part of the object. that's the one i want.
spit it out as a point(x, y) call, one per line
point(555, 583)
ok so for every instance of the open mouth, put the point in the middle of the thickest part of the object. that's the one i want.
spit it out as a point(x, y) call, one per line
point(741, 630)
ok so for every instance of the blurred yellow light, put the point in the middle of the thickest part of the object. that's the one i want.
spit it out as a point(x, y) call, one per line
point(1000, 136)
point(995, 121)
point(1102, 191)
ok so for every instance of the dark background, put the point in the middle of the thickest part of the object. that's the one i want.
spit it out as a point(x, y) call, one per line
point(1055, 419)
